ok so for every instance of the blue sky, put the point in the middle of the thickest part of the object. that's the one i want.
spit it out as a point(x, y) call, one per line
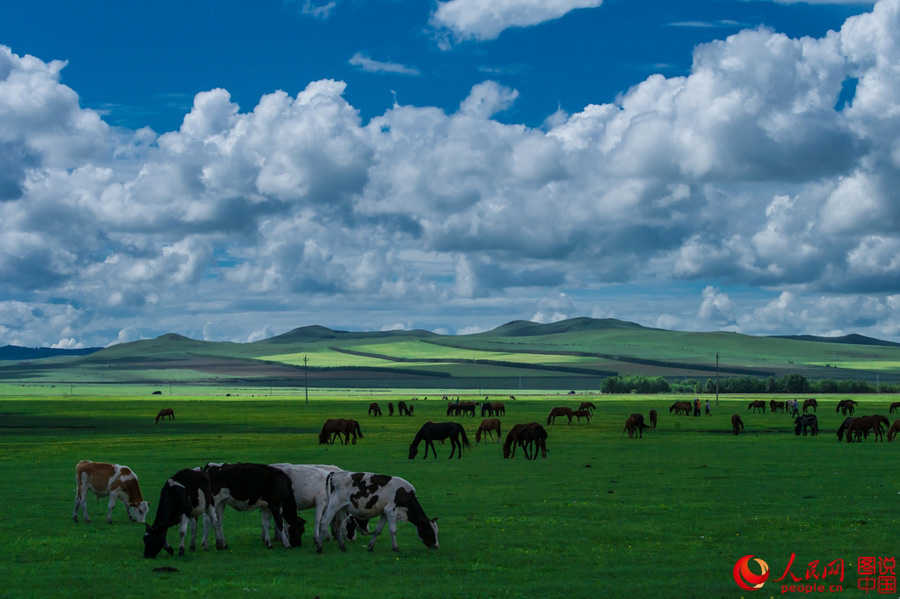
point(230, 171)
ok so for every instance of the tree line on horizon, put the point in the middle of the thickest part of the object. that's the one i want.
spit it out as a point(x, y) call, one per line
point(789, 383)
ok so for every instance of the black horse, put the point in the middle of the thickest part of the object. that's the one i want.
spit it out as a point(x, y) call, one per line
point(439, 431)
point(807, 421)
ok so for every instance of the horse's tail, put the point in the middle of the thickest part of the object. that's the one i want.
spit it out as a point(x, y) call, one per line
point(358, 430)
point(465, 439)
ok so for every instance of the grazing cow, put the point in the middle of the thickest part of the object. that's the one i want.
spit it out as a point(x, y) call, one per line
point(308, 482)
point(367, 495)
point(109, 480)
point(374, 409)
point(164, 413)
point(653, 418)
point(737, 425)
point(807, 421)
point(257, 486)
point(184, 498)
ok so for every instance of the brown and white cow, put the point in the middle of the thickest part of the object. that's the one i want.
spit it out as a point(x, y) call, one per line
point(109, 480)
point(366, 495)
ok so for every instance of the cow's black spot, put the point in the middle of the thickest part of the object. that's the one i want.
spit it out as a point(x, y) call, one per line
point(372, 502)
point(366, 486)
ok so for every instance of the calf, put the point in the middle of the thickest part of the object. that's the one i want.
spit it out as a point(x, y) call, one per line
point(366, 495)
point(257, 486)
point(112, 480)
point(185, 497)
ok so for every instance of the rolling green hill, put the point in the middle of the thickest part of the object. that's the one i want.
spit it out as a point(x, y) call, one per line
point(571, 354)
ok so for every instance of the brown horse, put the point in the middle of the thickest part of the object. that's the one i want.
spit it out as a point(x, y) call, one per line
point(579, 414)
point(439, 431)
point(681, 407)
point(165, 412)
point(894, 430)
point(525, 436)
point(894, 406)
point(757, 405)
point(776, 406)
point(737, 425)
point(586, 405)
point(861, 426)
point(488, 426)
point(390, 408)
point(374, 409)
point(567, 412)
point(336, 427)
point(652, 418)
point(634, 423)
point(404, 411)
point(810, 403)
point(846, 407)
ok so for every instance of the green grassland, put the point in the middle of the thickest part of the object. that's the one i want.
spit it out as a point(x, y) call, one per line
point(603, 516)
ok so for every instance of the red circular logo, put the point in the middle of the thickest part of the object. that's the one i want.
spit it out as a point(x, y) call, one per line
point(746, 579)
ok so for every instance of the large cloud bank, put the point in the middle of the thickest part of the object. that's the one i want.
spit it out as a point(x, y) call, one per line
point(748, 171)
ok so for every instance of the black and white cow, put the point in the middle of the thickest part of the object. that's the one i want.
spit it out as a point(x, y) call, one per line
point(247, 487)
point(366, 495)
point(308, 481)
point(184, 498)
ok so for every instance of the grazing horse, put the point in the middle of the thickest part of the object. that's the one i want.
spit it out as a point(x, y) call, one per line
point(737, 425)
point(339, 426)
point(404, 411)
point(390, 408)
point(894, 430)
point(846, 407)
point(525, 435)
point(466, 408)
point(488, 425)
point(634, 423)
point(861, 426)
point(165, 412)
point(374, 409)
point(586, 405)
point(894, 406)
point(579, 414)
point(845, 425)
point(652, 418)
point(493, 408)
point(757, 405)
point(807, 421)
point(567, 412)
point(810, 403)
point(776, 406)
point(681, 407)
point(439, 431)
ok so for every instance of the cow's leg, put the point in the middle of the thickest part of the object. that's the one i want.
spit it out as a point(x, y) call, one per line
point(281, 527)
point(378, 528)
point(113, 497)
point(266, 516)
point(331, 511)
point(209, 519)
point(218, 511)
point(193, 546)
point(182, 531)
point(80, 499)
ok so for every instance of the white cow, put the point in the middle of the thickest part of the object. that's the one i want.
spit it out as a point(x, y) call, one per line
point(109, 480)
point(366, 495)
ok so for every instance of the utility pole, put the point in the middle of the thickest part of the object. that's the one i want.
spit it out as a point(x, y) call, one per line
point(717, 379)
point(306, 378)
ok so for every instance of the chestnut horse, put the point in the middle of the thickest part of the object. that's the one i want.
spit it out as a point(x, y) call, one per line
point(894, 430)
point(165, 412)
point(810, 403)
point(586, 405)
point(579, 414)
point(861, 426)
point(336, 427)
point(894, 406)
point(526, 436)
point(652, 418)
point(846, 407)
point(757, 405)
point(488, 425)
point(737, 425)
point(567, 412)
point(374, 409)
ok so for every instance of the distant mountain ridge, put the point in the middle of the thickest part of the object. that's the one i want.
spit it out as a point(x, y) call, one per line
point(15, 352)
point(852, 339)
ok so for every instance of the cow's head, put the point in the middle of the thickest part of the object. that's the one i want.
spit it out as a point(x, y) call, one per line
point(295, 532)
point(428, 533)
point(140, 511)
point(155, 541)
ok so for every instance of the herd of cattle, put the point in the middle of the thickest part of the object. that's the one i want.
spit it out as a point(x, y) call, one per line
point(343, 502)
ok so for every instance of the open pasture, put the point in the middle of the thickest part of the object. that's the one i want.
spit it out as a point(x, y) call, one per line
point(666, 515)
